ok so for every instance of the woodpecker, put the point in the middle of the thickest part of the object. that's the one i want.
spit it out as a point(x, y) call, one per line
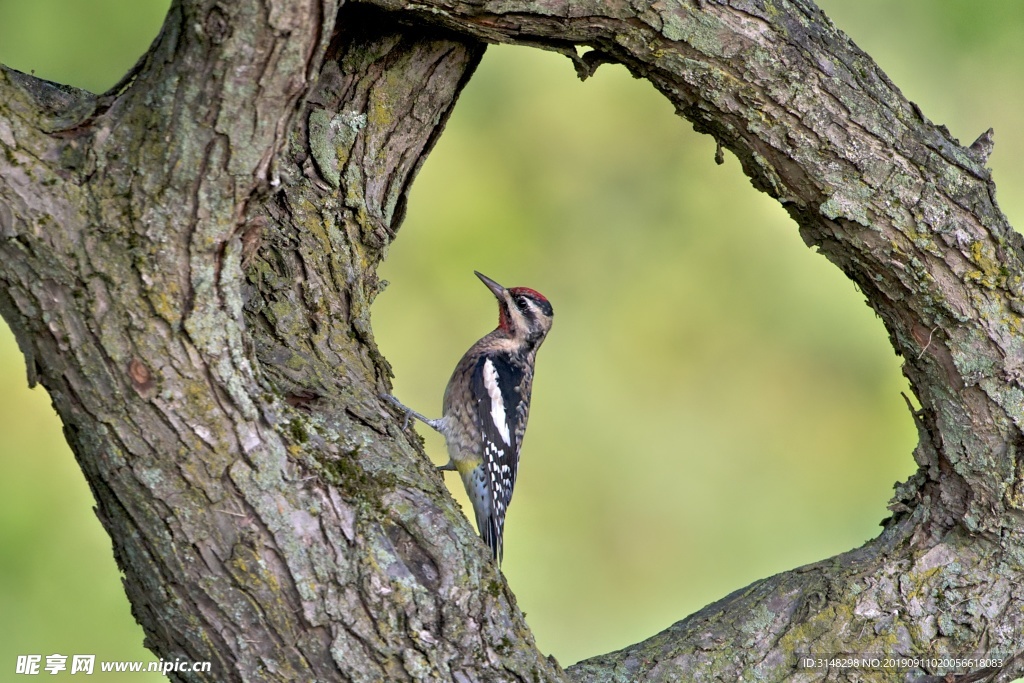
point(487, 403)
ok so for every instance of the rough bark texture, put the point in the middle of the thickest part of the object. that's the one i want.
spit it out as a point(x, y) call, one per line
point(188, 265)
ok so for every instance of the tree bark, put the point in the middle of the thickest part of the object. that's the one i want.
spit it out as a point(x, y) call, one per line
point(188, 266)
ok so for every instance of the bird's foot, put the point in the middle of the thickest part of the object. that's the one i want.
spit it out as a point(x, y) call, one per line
point(409, 412)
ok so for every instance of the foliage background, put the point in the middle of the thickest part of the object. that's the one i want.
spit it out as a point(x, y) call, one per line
point(715, 404)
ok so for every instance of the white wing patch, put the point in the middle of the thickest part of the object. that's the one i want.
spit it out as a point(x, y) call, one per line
point(497, 401)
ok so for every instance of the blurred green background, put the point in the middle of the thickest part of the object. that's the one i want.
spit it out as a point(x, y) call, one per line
point(715, 403)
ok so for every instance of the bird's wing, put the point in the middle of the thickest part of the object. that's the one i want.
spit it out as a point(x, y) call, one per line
point(502, 412)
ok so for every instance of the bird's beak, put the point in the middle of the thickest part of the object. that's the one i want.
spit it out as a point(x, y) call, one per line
point(497, 289)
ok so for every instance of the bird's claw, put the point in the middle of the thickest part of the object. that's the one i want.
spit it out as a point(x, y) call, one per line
point(401, 406)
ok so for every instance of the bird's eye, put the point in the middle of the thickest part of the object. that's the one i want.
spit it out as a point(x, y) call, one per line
point(520, 301)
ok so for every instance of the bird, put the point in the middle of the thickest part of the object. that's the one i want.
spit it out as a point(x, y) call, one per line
point(487, 403)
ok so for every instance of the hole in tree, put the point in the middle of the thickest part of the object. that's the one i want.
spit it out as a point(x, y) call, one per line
point(715, 403)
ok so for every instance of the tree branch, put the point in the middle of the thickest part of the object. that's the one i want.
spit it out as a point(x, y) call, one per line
point(819, 127)
point(910, 216)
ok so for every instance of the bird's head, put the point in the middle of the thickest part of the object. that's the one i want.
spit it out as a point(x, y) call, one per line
point(523, 313)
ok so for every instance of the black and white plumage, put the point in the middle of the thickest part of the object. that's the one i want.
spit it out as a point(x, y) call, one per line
point(487, 404)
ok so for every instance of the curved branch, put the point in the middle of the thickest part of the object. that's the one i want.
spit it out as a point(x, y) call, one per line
point(896, 203)
point(910, 216)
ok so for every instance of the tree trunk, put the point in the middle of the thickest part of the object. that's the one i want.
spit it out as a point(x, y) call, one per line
point(190, 258)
